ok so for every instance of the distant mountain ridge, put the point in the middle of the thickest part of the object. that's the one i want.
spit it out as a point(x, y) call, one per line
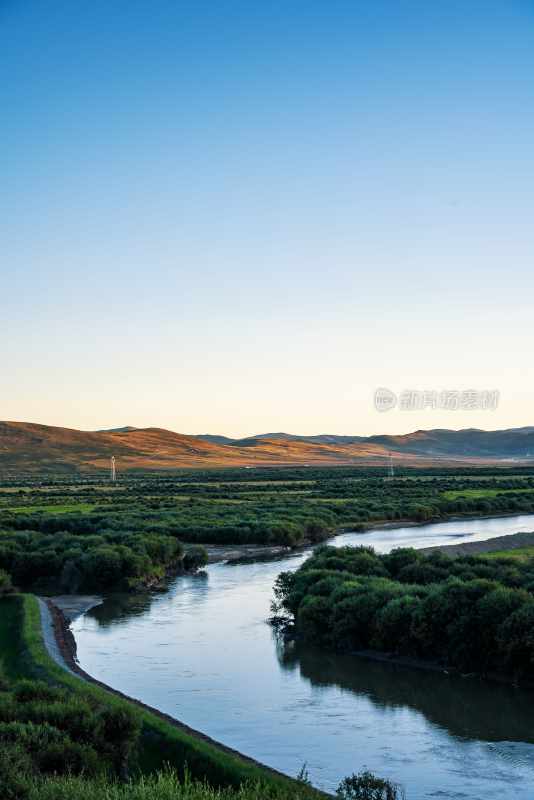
point(508, 443)
point(30, 447)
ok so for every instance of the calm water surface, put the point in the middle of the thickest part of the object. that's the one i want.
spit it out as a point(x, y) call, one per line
point(203, 653)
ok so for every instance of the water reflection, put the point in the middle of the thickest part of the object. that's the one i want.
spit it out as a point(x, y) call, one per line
point(468, 708)
point(120, 608)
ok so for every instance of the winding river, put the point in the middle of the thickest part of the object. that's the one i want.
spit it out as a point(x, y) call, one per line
point(203, 653)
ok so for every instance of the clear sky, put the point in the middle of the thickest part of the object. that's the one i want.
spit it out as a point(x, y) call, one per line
point(239, 217)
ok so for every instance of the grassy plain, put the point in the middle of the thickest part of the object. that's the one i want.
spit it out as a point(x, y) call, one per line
point(518, 554)
point(53, 508)
point(80, 536)
point(481, 493)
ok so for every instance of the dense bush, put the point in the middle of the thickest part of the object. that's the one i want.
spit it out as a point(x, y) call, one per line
point(50, 731)
point(74, 563)
point(6, 585)
point(473, 613)
point(366, 786)
point(195, 558)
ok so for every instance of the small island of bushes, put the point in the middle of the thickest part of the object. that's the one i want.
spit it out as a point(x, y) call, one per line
point(471, 613)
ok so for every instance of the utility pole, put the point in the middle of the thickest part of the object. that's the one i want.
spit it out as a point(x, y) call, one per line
point(113, 471)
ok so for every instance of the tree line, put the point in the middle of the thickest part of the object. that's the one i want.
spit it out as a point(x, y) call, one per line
point(90, 562)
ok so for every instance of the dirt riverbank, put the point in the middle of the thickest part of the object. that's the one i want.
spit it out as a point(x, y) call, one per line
point(60, 643)
point(510, 541)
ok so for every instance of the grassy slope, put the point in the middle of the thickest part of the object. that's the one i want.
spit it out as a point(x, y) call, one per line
point(30, 447)
point(24, 655)
point(518, 554)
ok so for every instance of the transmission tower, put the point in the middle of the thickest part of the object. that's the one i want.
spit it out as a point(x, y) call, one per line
point(113, 470)
point(391, 470)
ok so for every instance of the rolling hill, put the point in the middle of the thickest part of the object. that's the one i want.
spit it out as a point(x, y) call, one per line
point(30, 447)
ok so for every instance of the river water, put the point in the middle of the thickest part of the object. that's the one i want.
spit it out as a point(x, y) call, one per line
point(203, 653)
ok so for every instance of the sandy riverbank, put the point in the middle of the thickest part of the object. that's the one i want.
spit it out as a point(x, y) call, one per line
point(511, 541)
point(243, 553)
point(236, 552)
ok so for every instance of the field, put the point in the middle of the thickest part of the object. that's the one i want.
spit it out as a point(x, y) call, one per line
point(480, 493)
point(59, 508)
point(518, 554)
point(81, 535)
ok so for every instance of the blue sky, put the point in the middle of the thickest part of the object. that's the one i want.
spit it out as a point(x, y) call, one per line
point(239, 217)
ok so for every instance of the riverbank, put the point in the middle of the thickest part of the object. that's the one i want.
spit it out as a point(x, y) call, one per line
point(165, 740)
point(240, 553)
point(411, 523)
point(73, 606)
point(511, 541)
point(246, 554)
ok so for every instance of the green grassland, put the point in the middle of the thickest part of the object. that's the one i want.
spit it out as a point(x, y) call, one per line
point(517, 554)
point(59, 508)
point(482, 493)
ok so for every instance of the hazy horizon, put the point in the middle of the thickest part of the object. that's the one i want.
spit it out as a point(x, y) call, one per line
point(241, 217)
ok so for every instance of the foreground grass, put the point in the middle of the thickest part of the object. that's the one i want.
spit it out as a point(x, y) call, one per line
point(162, 786)
point(161, 743)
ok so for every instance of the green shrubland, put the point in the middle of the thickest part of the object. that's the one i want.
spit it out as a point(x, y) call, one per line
point(78, 535)
point(67, 562)
point(472, 612)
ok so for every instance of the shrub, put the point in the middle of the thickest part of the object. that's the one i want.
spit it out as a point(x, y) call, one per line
point(26, 691)
point(465, 612)
point(5, 583)
point(393, 625)
point(366, 786)
point(73, 715)
point(31, 737)
point(67, 757)
point(120, 729)
point(15, 769)
point(314, 618)
point(516, 640)
point(195, 558)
